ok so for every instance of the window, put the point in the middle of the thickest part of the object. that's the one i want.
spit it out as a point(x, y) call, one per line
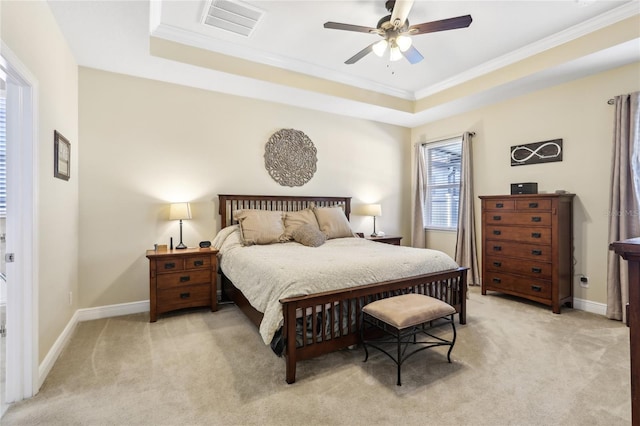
point(442, 184)
point(3, 156)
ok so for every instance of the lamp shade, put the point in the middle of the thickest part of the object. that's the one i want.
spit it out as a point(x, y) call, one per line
point(180, 211)
point(371, 210)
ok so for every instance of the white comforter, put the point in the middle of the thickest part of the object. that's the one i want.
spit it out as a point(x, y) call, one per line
point(267, 273)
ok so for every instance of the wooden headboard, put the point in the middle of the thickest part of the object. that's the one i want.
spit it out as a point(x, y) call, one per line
point(288, 203)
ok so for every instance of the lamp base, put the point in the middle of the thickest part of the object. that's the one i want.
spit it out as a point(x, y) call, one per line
point(374, 235)
point(181, 246)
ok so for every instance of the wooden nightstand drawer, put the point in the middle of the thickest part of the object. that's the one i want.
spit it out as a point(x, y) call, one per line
point(525, 234)
point(197, 262)
point(184, 278)
point(512, 218)
point(184, 297)
point(170, 264)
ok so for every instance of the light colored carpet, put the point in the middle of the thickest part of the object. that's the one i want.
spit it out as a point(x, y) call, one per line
point(515, 363)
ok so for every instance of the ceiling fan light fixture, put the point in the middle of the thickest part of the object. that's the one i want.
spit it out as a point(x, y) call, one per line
point(403, 42)
point(395, 54)
point(380, 47)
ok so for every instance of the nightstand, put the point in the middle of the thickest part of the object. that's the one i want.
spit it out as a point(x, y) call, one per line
point(182, 279)
point(387, 239)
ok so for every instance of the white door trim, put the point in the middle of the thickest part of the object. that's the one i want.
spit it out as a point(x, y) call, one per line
point(22, 225)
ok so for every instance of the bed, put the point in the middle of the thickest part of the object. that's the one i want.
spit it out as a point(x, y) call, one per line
point(314, 322)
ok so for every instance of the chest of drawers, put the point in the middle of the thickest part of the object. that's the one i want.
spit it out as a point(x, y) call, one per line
point(181, 279)
point(527, 247)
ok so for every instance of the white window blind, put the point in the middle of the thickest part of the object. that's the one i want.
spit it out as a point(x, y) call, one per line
point(3, 157)
point(442, 191)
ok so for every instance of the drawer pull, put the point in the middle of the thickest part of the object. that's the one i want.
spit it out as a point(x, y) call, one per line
point(497, 217)
point(536, 288)
point(536, 219)
point(169, 265)
point(499, 205)
point(497, 248)
point(536, 252)
point(536, 270)
point(497, 280)
point(198, 263)
point(536, 235)
point(185, 295)
point(184, 279)
point(533, 205)
point(497, 264)
point(496, 232)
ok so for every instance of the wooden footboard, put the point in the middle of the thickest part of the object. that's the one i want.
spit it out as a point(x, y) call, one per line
point(334, 316)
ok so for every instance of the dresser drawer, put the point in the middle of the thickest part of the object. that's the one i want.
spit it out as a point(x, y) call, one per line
point(531, 269)
point(525, 234)
point(184, 278)
point(170, 264)
point(539, 253)
point(533, 205)
point(514, 284)
point(184, 297)
point(499, 204)
point(513, 218)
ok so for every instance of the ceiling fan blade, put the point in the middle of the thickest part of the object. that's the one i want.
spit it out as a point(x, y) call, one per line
point(349, 27)
point(442, 25)
point(400, 12)
point(413, 55)
point(361, 54)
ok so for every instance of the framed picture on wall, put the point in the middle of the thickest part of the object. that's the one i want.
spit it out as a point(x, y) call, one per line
point(61, 156)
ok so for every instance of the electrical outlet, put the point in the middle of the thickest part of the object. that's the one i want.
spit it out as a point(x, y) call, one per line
point(584, 281)
point(70, 298)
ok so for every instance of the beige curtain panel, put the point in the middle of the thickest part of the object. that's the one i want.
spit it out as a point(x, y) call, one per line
point(417, 235)
point(624, 202)
point(466, 248)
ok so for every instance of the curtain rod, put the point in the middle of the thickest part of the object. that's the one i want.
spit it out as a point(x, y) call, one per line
point(444, 138)
point(611, 101)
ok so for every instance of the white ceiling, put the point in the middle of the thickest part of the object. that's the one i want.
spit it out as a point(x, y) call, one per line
point(115, 36)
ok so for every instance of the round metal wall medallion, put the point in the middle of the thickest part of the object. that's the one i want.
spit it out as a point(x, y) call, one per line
point(290, 157)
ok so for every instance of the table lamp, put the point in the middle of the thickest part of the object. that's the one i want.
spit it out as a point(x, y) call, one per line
point(180, 211)
point(372, 210)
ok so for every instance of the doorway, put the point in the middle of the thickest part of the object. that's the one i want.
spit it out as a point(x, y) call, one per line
point(20, 352)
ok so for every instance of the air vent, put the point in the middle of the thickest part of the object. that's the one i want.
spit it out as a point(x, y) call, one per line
point(234, 16)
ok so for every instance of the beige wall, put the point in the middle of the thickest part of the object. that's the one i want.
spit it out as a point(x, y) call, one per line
point(578, 113)
point(147, 143)
point(30, 31)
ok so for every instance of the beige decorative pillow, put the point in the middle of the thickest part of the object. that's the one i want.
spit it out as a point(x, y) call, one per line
point(260, 226)
point(309, 235)
point(333, 222)
point(293, 220)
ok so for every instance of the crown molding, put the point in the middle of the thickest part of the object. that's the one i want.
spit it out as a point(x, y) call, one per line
point(609, 18)
point(191, 38)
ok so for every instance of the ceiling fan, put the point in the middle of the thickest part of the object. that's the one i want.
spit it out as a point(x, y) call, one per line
point(396, 32)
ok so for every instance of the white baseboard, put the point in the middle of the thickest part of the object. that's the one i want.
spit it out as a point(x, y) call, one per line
point(589, 306)
point(47, 363)
point(85, 315)
point(109, 311)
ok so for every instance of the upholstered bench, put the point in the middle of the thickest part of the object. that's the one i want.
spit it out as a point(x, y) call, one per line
point(401, 319)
